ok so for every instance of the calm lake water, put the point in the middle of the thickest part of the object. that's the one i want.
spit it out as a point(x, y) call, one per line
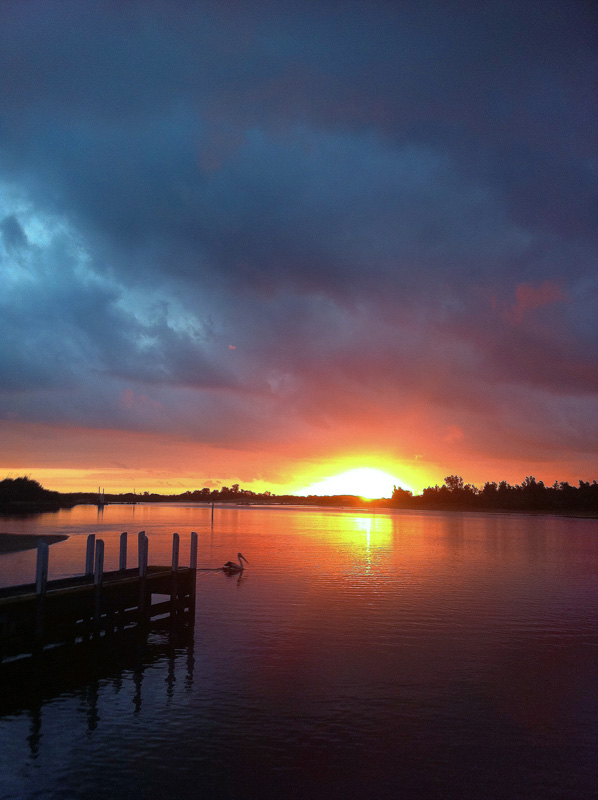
point(359, 655)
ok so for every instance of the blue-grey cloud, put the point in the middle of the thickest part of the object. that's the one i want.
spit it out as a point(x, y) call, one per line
point(373, 203)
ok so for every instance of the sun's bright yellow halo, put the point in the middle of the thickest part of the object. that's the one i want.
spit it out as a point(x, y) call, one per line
point(365, 482)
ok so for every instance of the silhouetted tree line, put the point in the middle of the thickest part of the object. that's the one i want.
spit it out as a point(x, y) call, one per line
point(530, 495)
point(235, 494)
point(18, 495)
point(24, 495)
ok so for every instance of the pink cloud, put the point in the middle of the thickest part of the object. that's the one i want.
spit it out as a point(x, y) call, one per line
point(132, 401)
point(528, 298)
point(453, 434)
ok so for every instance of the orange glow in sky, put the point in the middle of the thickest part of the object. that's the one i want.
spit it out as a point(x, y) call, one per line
point(76, 459)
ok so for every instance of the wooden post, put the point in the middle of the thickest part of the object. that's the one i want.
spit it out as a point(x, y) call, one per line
point(122, 561)
point(41, 580)
point(118, 611)
point(41, 573)
point(193, 565)
point(98, 574)
point(98, 577)
point(193, 559)
point(174, 598)
point(143, 551)
point(175, 551)
point(144, 560)
point(89, 556)
point(212, 513)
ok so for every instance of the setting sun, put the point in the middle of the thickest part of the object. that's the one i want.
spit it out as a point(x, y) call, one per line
point(364, 482)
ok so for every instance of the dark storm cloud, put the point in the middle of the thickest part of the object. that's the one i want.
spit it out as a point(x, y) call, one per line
point(354, 196)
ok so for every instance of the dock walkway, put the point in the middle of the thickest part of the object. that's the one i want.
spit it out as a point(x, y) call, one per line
point(46, 613)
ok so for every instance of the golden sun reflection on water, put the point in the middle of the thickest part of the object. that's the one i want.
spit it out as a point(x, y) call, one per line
point(370, 532)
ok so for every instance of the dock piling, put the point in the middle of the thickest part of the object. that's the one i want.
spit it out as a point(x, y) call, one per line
point(41, 582)
point(89, 555)
point(174, 598)
point(143, 553)
point(175, 551)
point(41, 573)
point(174, 595)
point(122, 559)
point(98, 576)
point(193, 559)
point(98, 572)
point(193, 565)
point(141, 548)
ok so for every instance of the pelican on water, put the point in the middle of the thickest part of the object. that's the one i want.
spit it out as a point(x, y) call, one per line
point(232, 566)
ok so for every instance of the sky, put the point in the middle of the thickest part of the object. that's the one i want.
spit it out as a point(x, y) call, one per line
point(269, 242)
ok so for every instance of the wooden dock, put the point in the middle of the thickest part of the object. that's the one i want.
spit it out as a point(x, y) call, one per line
point(46, 614)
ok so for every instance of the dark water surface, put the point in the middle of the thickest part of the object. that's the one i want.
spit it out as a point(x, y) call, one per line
point(359, 656)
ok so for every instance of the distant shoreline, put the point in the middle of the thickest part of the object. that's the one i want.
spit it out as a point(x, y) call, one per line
point(373, 507)
point(23, 497)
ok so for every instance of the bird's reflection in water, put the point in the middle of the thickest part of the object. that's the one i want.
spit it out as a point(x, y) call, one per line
point(239, 575)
